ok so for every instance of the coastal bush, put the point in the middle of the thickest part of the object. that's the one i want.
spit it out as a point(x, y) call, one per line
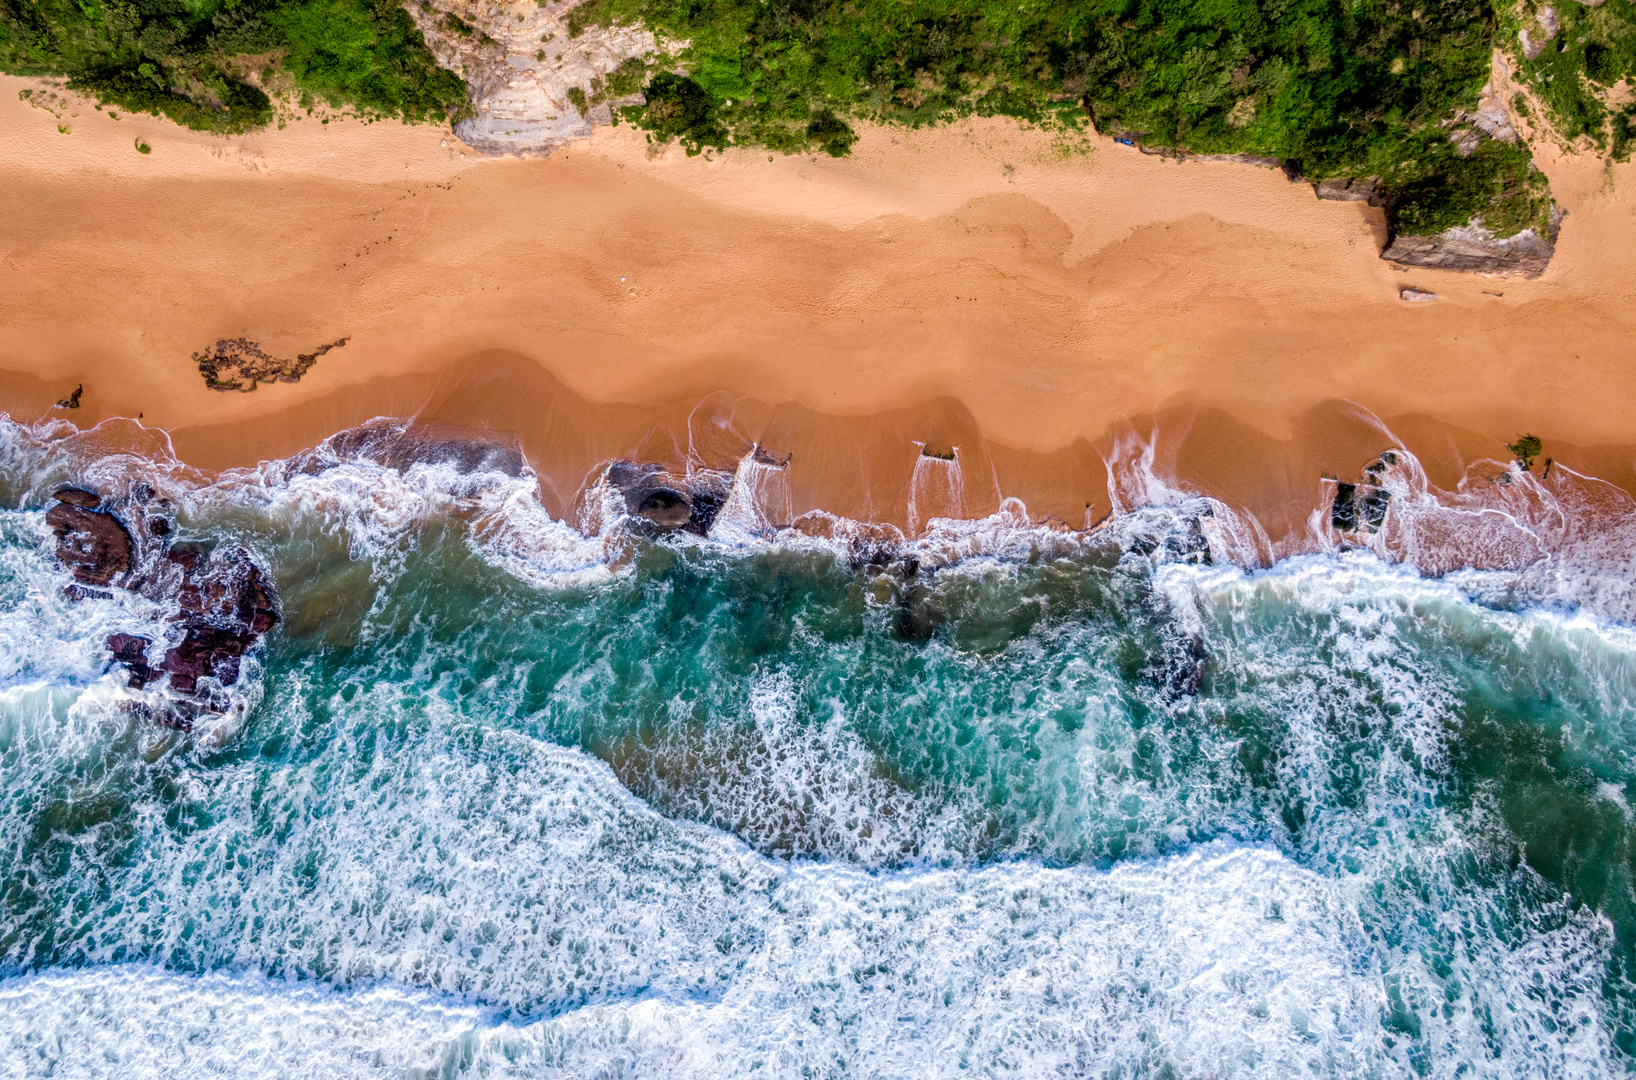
point(189, 61)
point(1379, 89)
point(679, 108)
point(1336, 88)
point(1578, 69)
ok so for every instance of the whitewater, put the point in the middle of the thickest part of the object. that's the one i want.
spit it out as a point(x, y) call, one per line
point(506, 795)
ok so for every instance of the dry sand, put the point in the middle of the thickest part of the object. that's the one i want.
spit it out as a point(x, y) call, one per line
point(1045, 308)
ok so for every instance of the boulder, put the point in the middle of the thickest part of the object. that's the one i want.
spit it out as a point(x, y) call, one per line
point(668, 501)
point(94, 544)
point(130, 650)
point(74, 496)
point(1359, 509)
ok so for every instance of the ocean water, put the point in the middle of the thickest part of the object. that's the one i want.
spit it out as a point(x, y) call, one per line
point(512, 796)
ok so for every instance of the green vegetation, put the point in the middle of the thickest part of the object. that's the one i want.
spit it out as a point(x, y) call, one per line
point(1593, 50)
point(190, 60)
point(1336, 88)
point(1526, 449)
point(1379, 89)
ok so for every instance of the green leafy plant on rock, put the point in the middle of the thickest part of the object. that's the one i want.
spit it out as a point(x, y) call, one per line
point(1526, 449)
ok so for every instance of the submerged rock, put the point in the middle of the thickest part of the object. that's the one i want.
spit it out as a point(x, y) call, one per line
point(400, 446)
point(1163, 534)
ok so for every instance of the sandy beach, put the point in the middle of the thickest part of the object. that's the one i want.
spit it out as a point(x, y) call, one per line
point(1046, 306)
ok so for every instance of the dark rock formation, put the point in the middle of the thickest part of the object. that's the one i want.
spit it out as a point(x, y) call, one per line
point(1475, 250)
point(93, 543)
point(398, 446)
point(1350, 189)
point(1166, 535)
point(225, 607)
point(130, 650)
point(223, 603)
point(668, 501)
point(1359, 509)
point(72, 401)
point(762, 456)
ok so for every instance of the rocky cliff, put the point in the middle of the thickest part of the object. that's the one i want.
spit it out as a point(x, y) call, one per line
point(534, 85)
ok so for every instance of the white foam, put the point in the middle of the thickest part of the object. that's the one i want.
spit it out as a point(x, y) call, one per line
point(139, 1022)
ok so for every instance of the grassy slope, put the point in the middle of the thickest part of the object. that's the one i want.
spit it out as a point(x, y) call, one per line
point(1337, 88)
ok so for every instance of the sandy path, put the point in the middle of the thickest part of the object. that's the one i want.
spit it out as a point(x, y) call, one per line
point(972, 285)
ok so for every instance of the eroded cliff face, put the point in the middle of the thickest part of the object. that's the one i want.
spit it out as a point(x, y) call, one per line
point(1474, 249)
point(534, 87)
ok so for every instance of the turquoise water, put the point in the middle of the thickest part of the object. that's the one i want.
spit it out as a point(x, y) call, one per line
point(510, 801)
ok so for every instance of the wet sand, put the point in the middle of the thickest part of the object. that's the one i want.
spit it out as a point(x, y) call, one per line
point(1046, 310)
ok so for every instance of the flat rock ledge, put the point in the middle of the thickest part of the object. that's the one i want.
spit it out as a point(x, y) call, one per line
point(1474, 250)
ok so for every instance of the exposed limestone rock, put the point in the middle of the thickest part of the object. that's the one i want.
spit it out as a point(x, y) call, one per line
point(1534, 38)
point(1474, 249)
point(1465, 141)
point(1240, 159)
point(523, 68)
point(1416, 296)
point(1492, 118)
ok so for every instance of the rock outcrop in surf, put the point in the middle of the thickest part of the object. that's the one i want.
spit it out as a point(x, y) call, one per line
point(218, 603)
point(1358, 509)
point(667, 501)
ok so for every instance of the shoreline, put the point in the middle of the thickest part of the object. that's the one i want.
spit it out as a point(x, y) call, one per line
point(973, 285)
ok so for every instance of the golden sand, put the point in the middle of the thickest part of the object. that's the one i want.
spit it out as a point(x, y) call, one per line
point(1045, 308)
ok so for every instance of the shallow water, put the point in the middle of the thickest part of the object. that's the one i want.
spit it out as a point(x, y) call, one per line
point(511, 800)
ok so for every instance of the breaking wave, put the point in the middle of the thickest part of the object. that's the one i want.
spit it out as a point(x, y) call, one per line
point(717, 790)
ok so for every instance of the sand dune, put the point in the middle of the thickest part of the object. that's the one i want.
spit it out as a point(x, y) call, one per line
point(1043, 307)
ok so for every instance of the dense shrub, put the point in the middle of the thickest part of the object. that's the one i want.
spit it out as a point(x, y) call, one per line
point(184, 60)
point(1336, 88)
